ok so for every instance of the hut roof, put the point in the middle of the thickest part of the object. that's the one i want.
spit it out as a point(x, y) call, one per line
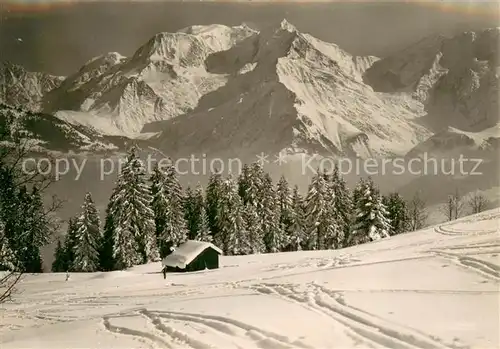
point(186, 253)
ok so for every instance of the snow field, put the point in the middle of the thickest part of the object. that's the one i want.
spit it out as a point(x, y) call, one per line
point(436, 288)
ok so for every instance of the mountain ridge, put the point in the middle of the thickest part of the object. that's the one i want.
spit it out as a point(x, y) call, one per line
point(278, 89)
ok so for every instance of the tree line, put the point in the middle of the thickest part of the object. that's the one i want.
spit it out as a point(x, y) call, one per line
point(148, 216)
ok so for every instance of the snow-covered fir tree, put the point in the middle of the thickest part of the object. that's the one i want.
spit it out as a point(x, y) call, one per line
point(235, 229)
point(397, 213)
point(27, 225)
point(106, 259)
point(203, 233)
point(342, 204)
point(322, 227)
point(371, 222)
point(88, 238)
point(213, 203)
point(36, 233)
point(244, 181)
point(69, 244)
point(11, 218)
point(229, 216)
point(159, 203)
point(7, 257)
point(268, 210)
point(284, 198)
point(59, 263)
point(296, 235)
point(189, 213)
point(357, 195)
point(253, 228)
point(133, 218)
point(175, 231)
point(250, 183)
point(193, 208)
point(315, 205)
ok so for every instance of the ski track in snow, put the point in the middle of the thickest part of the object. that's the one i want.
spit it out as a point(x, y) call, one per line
point(484, 268)
point(141, 336)
point(370, 328)
point(239, 334)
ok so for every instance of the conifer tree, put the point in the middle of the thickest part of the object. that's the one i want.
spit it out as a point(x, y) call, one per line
point(322, 227)
point(160, 201)
point(189, 213)
point(7, 257)
point(250, 183)
point(342, 205)
point(229, 211)
point(397, 213)
point(59, 263)
point(253, 228)
point(256, 183)
point(235, 228)
point(37, 231)
point(70, 243)
point(27, 225)
point(357, 195)
point(298, 228)
point(213, 203)
point(11, 216)
point(274, 237)
point(203, 233)
point(285, 208)
point(244, 182)
point(371, 222)
point(133, 218)
point(175, 231)
point(88, 237)
point(194, 206)
point(106, 259)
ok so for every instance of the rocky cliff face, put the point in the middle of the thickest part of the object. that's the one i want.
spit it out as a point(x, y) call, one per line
point(27, 89)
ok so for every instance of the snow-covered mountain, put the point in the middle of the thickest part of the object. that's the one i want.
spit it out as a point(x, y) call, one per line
point(223, 90)
point(289, 91)
point(21, 87)
point(164, 78)
point(456, 79)
point(452, 141)
point(45, 132)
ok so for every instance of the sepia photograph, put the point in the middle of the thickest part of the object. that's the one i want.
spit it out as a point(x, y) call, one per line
point(239, 174)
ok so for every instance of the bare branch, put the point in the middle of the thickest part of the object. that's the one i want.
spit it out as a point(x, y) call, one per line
point(416, 213)
point(478, 202)
point(453, 208)
point(8, 284)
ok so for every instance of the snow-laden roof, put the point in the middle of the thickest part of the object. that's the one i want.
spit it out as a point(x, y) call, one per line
point(186, 253)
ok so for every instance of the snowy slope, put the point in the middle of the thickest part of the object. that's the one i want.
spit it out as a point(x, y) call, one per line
point(436, 288)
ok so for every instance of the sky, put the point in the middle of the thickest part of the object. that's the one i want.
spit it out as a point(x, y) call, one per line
point(57, 36)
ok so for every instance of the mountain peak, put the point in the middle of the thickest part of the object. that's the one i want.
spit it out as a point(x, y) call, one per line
point(285, 25)
point(192, 43)
point(109, 58)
